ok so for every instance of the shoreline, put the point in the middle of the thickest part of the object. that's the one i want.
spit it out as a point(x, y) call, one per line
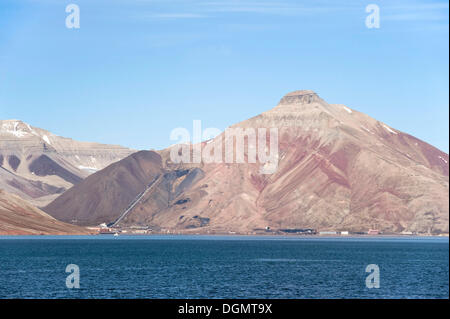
point(256, 236)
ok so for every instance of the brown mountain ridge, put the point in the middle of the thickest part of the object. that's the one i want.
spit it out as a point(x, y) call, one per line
point(17, 217)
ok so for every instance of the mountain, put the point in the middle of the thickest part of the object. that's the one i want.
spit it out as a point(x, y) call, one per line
point(17, 217)
point(107, 192)
point(39, 166)
point(338, 169)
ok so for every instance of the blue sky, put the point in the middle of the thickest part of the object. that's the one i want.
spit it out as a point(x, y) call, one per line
point(137, 69)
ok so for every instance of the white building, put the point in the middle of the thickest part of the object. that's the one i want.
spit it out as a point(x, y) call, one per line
point(327, 233)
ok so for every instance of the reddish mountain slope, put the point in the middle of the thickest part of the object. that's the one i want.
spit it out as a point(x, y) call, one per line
point(338, 169)
point(17, 217)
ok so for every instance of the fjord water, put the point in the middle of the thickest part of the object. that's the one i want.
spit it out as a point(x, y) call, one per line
point(223, 267)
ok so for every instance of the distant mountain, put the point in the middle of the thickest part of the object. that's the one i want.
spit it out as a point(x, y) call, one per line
point(38, 165)
point(338, 169)
point(17, 217)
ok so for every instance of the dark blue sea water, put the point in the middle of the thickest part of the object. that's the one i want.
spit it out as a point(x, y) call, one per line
point(223, 267)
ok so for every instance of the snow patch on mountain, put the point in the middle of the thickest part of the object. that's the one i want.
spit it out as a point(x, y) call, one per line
point(46, 139)
point(366, 129)
point(10, 127)
point(88, 168)
point(389, 129)
point(347, 109)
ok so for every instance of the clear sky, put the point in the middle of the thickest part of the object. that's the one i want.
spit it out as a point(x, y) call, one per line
point(136, 69)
